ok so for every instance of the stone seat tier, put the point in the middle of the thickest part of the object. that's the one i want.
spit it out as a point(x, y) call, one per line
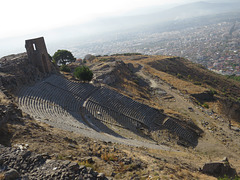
point(124, 105)
point(179, 130)
point(110, 116)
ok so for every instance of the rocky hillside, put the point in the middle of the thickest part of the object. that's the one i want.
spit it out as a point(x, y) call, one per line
point(193, 79)
point(136, 120)
point(202, 85)
point(16, 71)
point(219, 88)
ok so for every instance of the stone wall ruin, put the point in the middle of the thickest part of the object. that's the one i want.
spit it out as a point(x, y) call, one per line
point(38, 55)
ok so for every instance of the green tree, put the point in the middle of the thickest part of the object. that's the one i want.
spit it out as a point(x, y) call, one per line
point(63, 57)
point(83, 73)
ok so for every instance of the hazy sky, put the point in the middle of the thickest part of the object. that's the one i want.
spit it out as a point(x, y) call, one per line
point(20, 17)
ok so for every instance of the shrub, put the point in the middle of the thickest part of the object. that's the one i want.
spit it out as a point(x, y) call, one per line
point(83, 73)
point(212, 92)
point(238, 99)
point(224, 89)
point(126, 54)
point(103, 59)
point(65, 68)
point(87, 164)
point(179, 76)
point(228, 178)
point(234, 77)
point(197, 83)
point(205, 105)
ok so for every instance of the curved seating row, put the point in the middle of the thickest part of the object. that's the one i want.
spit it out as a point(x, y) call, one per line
point(48, 102)
point(79, 90)
point(110, 116)
point(124, 105)
point(56, 97)
point(182, 132)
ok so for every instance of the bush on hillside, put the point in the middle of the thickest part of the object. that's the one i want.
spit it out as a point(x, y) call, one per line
point(65, 68)
point(83, 73)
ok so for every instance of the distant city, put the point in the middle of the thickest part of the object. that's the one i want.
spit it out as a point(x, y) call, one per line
point(214, 45)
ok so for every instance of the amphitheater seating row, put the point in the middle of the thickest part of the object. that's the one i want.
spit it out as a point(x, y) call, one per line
point(57, 97)
point(182, 132)
point(48, 102)
point(124, 105)
point(79, 90)
point(100, 113)
point(110, 116)
point(58, 101)
point(52, 94)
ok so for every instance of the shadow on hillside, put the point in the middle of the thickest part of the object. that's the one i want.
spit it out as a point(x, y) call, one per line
point(5, 135)
point(120, 121)
point(99, 126)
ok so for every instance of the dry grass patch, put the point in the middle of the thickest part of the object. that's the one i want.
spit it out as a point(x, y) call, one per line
point(109, 157)
point(87, 164)
point(182, 85)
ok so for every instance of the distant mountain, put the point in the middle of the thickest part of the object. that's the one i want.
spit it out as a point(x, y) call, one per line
point(202, 9)
point(181, 12)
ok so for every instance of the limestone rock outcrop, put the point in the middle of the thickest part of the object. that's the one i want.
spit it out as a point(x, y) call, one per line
point(16, 71)
point(219, 169)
